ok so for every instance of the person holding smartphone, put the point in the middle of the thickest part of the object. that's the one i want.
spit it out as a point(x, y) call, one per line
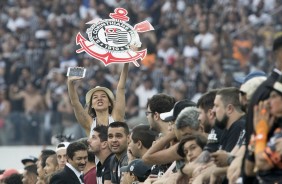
point(102, 106)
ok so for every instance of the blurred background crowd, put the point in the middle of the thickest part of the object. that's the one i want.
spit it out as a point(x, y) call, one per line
point(197, 45)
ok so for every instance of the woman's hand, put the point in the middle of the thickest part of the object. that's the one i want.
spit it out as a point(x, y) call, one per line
point(73, 77)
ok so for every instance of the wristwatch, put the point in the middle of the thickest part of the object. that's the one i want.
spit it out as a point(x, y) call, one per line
point(230, 159)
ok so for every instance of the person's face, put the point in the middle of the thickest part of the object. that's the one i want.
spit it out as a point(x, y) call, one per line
point(79, 160)
point(117, 140)
point(28, 178)
point(127, 178)
point(50, 166)
point(40, 170)
point(204, 120)
point(180, 133)
point(100, 101)
point(133, 147)
point(275, 104)
point(95, 142)
point(150, 117)
point(220, 113)
point(62, 157)
point(192, 150)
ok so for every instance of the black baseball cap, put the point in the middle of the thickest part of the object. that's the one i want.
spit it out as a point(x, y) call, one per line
point(138, 168)
point(277, 86)
point(178, 107)
point(29, 159)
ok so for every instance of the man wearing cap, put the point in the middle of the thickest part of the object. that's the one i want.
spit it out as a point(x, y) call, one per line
point(157, 152)
point(7, 173)
point(30, 174)
point(156, 105)
point(61, 152)
point(30, 160)
point(102, 106)
point(73, 172)
point(136, 171)
point(248, 88)
point(267, 135)
point(262, 93)
point(186, 123)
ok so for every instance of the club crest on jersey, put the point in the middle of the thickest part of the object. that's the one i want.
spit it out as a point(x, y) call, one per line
point(110, 39)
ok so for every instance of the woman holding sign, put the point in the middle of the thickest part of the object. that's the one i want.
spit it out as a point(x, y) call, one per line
point(102, 106)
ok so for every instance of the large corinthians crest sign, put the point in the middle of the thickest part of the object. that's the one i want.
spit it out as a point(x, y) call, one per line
point(110, 40)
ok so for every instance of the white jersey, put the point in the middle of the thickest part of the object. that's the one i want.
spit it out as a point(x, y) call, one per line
point(94, 124)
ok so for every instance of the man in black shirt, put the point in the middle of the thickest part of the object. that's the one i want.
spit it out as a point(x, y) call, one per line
point(229, 115)
point(99, 144)
point(229, 118)
point(207, 119)
point(261, 93)
point(118, 139)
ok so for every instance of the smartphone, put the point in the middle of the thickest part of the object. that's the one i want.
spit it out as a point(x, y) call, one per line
point(76, 71)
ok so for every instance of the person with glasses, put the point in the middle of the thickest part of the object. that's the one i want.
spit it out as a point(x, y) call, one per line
point(156, 105)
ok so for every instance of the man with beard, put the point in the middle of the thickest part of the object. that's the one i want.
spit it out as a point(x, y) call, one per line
point(118, 139)
point(156, 105)
point(77, 158)
point(207, 120)
point(99, 145)
point(247, 89)
point(261, 93)
point(229, 117)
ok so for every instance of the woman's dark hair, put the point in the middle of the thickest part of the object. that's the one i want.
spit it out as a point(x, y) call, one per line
point(44, 155)
point(200, 139)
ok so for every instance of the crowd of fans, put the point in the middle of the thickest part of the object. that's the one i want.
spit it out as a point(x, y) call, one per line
point(196, 45)
point(203, 107)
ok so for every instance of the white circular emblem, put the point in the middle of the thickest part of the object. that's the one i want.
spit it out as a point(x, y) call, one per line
point(112, 34)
